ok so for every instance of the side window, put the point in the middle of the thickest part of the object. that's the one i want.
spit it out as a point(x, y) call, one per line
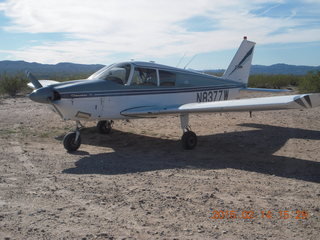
point(144, 77)
point(167, 78)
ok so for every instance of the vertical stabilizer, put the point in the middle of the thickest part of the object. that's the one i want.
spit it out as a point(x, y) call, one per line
point(239, 68)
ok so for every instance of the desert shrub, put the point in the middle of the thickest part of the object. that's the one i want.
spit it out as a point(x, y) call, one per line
point(273, 81)
point(12, 84)
point(310, 83)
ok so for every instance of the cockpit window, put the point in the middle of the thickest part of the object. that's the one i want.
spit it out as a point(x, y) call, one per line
point(145, 77)
point(118, 73)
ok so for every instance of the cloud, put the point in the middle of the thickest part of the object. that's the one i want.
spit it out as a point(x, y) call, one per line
point(97, 30)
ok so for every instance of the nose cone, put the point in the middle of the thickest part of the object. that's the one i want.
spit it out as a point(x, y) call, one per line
point(42, 95)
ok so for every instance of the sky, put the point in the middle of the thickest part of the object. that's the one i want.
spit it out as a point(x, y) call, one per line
point(171, 32)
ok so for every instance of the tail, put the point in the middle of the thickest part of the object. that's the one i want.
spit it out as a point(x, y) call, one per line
point(239, 68)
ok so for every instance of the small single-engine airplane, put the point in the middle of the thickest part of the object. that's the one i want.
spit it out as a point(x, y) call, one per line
point(145, 89)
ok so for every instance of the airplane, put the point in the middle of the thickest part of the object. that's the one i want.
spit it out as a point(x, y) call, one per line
point(131, 90)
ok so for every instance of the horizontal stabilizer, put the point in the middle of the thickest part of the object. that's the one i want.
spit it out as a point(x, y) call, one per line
point(252, 104)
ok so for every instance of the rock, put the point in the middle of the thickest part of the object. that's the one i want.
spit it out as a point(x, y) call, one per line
point(132, 207)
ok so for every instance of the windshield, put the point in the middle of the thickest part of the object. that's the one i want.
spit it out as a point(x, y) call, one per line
point(118, 73)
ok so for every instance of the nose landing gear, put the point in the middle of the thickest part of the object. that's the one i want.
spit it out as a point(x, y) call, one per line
point(72, 140)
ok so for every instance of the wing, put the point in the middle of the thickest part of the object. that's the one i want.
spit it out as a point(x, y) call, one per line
point(252, 104)
point(43, 83)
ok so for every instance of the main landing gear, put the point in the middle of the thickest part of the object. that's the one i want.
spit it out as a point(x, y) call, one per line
point(72, 140)
point(189, 139)
point(104, 127)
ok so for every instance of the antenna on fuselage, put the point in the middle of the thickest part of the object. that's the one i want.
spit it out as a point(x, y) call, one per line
point(190, 61)
point(181, 59)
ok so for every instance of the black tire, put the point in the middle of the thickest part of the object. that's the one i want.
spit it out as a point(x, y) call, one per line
point(70, 143)
point(104, 127)
point(189, 140)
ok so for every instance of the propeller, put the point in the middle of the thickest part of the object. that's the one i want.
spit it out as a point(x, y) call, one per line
point(42, 94)
point(33, 80)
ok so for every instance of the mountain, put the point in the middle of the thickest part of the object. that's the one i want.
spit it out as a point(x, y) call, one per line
point(279, 68)
point(283, 69)
point(46, 71)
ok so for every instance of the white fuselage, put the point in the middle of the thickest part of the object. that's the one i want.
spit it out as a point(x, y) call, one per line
point(110, 107)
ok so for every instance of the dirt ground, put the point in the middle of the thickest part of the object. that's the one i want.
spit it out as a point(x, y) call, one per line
point(138, 182)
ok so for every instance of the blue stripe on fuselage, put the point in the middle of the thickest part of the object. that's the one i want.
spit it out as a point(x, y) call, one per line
point(132, 92)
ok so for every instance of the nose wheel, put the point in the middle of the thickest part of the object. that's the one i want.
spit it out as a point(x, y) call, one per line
point(72, 140)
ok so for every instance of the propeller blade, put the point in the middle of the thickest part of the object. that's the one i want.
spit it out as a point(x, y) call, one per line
point(33, 80)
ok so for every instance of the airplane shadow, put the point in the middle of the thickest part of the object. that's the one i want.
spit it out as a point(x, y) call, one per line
point(250, 150)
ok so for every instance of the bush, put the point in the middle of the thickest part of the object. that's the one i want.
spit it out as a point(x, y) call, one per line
point(310, 83)
point(273, 81)
point(12, 84)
